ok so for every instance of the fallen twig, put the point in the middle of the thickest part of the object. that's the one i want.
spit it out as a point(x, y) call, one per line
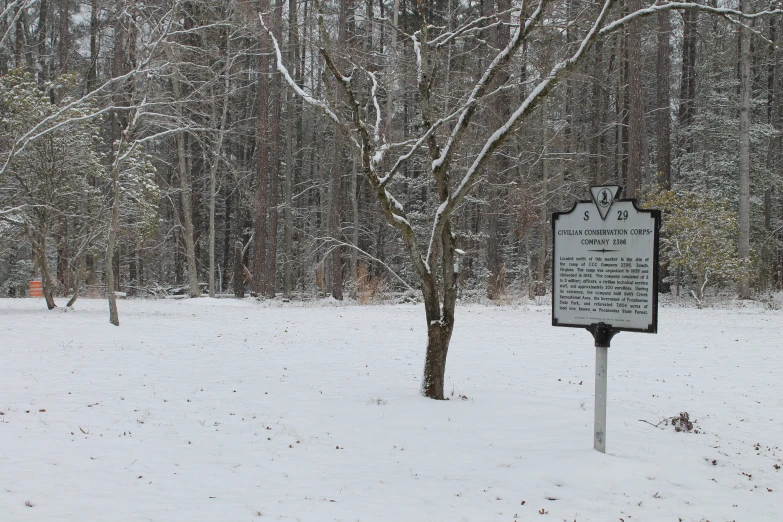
point(653, 425)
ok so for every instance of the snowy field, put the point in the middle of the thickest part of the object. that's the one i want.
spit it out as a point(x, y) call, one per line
point(204, 410)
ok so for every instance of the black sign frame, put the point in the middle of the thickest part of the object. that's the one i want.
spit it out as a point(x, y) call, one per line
point(656, 215)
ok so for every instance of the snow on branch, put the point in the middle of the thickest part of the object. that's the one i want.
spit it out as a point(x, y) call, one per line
point(598, 30)
point(281, 68)
point(12, 23)
point(620, 22)
point(339, 242)
point(157, 135)
point(417, 50)
point(500, 135)
point(40, 129)
point(416, 145)
point(473, 26)
point(468, 108)
point(374, 95)
point(13, 210)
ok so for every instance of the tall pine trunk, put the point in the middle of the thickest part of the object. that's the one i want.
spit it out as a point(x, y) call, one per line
point(289, 189)
point(261, 208)
point(92, 70)
point(542, 255)
point(635, 104)
point(216, 163)
point(335, 193)
point(43, 11)
point(688, 79)
point(664, 101)
point(743, 288)
point(270, 279)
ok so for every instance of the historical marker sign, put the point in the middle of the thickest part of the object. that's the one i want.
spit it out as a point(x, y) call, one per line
point(605, 264)
point(605, 277)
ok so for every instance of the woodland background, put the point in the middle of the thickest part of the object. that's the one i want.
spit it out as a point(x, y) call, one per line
point(220, 173)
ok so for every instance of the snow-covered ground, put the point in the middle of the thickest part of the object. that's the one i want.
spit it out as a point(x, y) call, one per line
point(205, 410)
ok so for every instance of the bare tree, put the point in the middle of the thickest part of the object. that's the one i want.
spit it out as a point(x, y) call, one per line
point(443, 133)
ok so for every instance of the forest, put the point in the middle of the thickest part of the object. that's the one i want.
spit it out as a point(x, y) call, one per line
point(229, 182)
point(362, 150)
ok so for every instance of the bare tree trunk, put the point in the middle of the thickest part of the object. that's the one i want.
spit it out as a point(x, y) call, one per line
point(65, 40)
point(92, 71)
point(354, 267)
point(688, 80)
point(212, 182)
point(493, 197)
point(227, 253)
point(743, 287)
point(664, 101)
point(439, 305)
point(635, 104)
point(623, 108)
point(325, 222)
point(133, 275)
point(77, 283)
point(61, 239)
point(544, 193)
point(293, 51)
point(42, 12)
point(438, 339)
point(597, 97)
point(19, 41)
point(271, 260)
point(392, 87)
point(216, 163)
point(114, 317)
point(239, 287)
point(440, 318)
point(262, 196)
point(335, 194)
point(569, 162)
point(289, 188)
point(335, 229)
point(768, 254)
point(186, 195)
point(46, 278)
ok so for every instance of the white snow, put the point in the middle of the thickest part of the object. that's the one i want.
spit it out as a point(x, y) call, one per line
point(377, 134)
point(394, 202)
point(245, 411)
point(417, 50)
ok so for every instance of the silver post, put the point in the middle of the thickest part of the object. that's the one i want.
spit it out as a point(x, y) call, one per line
point(601, 360)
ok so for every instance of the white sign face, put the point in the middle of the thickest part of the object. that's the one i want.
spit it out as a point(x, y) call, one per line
point(605, 270)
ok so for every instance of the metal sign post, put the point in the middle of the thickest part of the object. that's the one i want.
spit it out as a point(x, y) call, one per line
point(605, 277)
point(602, 333)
